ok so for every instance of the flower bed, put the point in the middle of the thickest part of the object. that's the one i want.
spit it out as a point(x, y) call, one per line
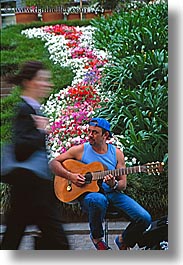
point(70, 110)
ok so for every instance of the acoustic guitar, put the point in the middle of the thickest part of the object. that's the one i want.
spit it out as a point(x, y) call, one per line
point(67, 192)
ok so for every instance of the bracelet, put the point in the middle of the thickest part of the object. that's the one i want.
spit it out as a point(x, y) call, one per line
point(115, 185)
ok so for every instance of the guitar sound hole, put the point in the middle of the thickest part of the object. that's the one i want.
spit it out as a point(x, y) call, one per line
point(88, 178)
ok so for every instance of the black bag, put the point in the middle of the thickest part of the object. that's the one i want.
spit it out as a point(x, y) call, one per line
point(156, 236)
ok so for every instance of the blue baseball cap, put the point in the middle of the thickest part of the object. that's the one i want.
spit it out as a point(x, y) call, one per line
point(102, 123)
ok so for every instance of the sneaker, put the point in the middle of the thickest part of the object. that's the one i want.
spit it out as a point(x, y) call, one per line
point(120, 245)
point(101, 245)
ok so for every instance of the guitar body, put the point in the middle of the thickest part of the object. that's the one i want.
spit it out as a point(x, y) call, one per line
point(68, 192)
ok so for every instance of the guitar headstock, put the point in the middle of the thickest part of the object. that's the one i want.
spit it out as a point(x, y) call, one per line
point(153, 168)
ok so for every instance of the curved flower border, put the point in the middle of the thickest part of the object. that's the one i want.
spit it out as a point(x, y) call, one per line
point(70, 110)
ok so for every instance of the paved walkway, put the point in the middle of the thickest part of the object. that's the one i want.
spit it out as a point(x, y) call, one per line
point(78, 235)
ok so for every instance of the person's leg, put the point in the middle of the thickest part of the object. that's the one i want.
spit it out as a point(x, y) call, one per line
point(139, 217)
point(48, 218)
point(95, 205)
point(13, 235)
point(53, 236)
point(16, 219)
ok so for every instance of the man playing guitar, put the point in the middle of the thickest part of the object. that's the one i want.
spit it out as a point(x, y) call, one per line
point(110, 189)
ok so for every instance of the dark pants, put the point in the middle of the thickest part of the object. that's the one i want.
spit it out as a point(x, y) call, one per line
point(33, 202)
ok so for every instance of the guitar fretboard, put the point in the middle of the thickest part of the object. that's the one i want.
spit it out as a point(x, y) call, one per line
point(118, 172)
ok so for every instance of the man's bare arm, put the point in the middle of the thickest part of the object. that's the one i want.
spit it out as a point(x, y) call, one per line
point(58, 169)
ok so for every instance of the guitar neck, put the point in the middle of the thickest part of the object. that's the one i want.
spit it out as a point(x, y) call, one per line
point(117, 172)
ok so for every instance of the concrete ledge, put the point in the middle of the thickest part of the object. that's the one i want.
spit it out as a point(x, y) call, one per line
point(73, 228)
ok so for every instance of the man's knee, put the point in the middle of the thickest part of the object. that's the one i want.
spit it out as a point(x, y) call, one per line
point(97, 200)
point(146, 219)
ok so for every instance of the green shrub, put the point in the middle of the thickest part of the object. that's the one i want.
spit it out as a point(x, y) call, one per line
point(137, 75)
point(131, 32)
point(136, 82)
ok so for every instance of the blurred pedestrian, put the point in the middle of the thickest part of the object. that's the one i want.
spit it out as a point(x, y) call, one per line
point(33, 200)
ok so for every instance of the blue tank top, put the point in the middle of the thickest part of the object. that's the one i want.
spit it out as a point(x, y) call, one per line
point(108, 159)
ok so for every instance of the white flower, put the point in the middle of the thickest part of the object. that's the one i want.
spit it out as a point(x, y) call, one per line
point(134, 160)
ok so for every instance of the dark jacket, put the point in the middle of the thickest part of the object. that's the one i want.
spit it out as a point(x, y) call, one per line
point(27, 155)
point(26, 136)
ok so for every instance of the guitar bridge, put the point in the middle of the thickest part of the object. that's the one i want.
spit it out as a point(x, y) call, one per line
point(69, 186)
